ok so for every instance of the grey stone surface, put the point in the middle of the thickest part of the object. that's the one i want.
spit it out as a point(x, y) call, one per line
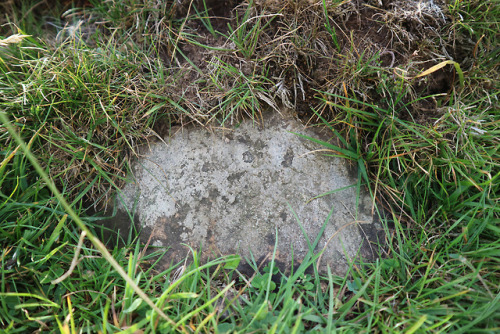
point(232, 190)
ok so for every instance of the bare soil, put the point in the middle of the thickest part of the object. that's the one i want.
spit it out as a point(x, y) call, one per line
point(296, 52)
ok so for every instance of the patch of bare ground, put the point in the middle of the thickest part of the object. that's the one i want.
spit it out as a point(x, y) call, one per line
point(303, 49)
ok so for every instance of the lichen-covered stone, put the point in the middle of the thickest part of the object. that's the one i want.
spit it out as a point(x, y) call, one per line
point(233, 192)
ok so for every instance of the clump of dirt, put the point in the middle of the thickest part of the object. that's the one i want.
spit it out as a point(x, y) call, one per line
point(412, 21)
point(304, 47)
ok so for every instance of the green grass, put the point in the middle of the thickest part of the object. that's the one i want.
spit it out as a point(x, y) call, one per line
point(85, 100)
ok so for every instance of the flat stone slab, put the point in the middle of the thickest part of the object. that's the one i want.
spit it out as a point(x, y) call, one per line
point(233, 192)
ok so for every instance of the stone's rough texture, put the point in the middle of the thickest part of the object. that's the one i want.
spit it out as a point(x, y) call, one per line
point(231, 191)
